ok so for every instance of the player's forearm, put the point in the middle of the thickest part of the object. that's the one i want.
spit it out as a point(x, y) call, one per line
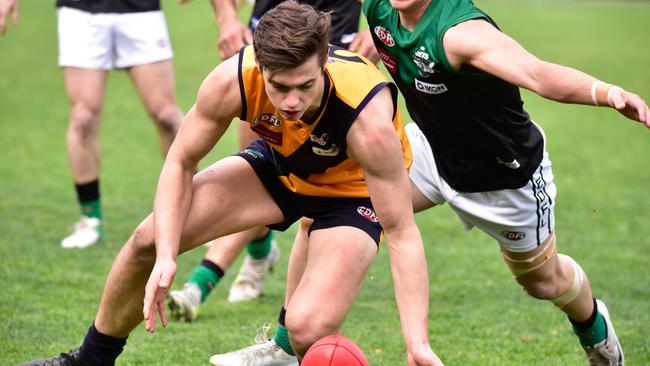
point(568, 85)
point(224, 10)
point(171, 205)
point(411, 282)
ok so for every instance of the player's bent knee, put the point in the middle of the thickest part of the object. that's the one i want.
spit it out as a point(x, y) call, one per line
point(83, 117)
point(168, 117)
point(82, 131)
point(142, 243)
point(306, 330)
point(553, 288)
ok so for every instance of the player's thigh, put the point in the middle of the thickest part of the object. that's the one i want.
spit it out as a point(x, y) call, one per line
point(338, 260)
point(85, 87)
point(227, 197)
point(155, 84)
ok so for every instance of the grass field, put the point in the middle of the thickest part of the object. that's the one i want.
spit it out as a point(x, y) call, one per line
point(479, 316)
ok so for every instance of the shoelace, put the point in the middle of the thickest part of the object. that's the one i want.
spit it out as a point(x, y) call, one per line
point(82, 223)
point(262, 335)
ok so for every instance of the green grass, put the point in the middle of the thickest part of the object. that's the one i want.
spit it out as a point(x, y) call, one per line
point(479, 316)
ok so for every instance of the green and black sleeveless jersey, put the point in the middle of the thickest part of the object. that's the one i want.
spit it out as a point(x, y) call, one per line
point(481, 137)
point(345, 17)
point(111, 6)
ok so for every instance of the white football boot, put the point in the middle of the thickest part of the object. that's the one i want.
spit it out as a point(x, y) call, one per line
point(253, 272)
point(184, 304)
point(85, 232)
point(265, 352)
point(609, 351)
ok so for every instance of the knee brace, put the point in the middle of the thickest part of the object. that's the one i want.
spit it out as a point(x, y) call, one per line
point(520, 267)
point(574, 290)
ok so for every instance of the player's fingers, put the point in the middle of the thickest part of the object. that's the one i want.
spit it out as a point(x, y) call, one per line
point(149, 294)
point(646, 116)
point(3, 16)
point(151, 322)
point(354, 44)
point(161, 311)
point(248, 37)
point(14, 13)
point(226, 49)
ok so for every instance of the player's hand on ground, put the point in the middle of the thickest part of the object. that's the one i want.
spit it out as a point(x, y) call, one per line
point(629, 104)
point(233, 35)
point(155, 292)
point(363, 45)
point(8, 7)
point(423, 356)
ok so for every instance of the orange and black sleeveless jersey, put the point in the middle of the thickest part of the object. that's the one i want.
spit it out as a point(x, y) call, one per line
point(310, 155)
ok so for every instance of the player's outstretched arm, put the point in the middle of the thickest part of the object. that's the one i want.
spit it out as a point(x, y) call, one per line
point(372, 141)
point(218, 102)
point(8, 7)
point(479, 44)
point(233, 34)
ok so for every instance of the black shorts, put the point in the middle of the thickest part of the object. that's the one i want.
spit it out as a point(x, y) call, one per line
point(326, 212)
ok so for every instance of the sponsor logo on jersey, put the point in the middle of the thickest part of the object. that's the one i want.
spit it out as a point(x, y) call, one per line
point(514, 164)
point(368, 213)
point(423, 61)
point(332, 151)
point(513, 235)
point(389, 60)
point(430, 88)
point(254, 153)
point(322, 140)
point(384, 35)
point(268, 118)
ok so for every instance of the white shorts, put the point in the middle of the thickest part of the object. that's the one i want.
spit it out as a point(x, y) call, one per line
point(111, 40)
point(520, 219)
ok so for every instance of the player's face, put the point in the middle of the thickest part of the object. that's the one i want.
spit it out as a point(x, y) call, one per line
point(295, 91)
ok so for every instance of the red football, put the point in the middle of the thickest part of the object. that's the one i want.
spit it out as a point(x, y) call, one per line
point(334, 350)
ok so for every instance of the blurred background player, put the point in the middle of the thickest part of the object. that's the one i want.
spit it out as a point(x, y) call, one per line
point(262, 250)
point(96, 36)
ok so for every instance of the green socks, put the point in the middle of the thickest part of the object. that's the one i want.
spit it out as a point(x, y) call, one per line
point(89, 200)
point(92, 208)
point(206, 277)
point(260, 249)
point(593, 330)
point(281, 338)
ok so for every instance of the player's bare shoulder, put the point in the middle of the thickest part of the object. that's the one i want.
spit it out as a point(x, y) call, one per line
point(219, 96)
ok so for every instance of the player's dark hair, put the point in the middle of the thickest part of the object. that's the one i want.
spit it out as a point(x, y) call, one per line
point(289, 34)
